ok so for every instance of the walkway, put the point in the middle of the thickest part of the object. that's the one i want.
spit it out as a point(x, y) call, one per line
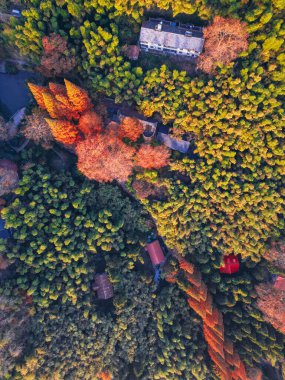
point(14, 93)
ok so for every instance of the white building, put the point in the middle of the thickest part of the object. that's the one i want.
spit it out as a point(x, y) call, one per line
point(169, 37)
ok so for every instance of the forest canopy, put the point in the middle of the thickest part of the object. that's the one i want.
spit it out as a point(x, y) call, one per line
point(223, 198)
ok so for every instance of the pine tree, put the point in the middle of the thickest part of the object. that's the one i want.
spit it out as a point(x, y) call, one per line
point(63, 131)
point(78, 97)
point(51, 105)
point(38, 92)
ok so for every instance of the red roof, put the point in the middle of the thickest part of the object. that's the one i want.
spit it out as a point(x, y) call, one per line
point(155, 252)
point(231, 264)
point(280, 283)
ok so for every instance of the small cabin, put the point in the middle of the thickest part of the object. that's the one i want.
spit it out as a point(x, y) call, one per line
point(102, 285)
point(279, 283)
point(231, 265)
point(155, 252)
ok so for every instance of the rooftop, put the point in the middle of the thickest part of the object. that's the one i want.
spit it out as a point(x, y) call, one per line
point(172, 34)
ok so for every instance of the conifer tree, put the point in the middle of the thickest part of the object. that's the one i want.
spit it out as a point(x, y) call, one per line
point(51, 105)
point(78, 97)
point(38, 92)
point(63, 131)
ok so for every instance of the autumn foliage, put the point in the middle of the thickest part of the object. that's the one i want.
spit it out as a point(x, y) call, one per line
point(131, 128)
point(228, 364)
point(56, 59)
point(90, 123)
point(63, 131)
point(105, 157)
point(149, 157)
point(143, 189)
point(276, 254)
point(36, 127)
point(271, 302)
point(78, 97)
point(37, 92)
point(102, 153)
point(225, 38)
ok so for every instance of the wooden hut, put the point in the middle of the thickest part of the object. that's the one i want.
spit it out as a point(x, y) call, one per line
point(103, 286)
point(155, 252)
point(231, 265)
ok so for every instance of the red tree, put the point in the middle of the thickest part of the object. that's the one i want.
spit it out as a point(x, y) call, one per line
point(57, 89)
point(104, 158)
point(225, 38)
point(90, 123)
point(56, 59)
point(149, 157)
point(131, 128)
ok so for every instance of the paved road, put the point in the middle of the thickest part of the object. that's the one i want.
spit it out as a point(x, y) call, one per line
point(14, 93)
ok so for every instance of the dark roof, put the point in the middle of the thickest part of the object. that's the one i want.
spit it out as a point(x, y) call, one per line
point(174, 27)
point(172, 143)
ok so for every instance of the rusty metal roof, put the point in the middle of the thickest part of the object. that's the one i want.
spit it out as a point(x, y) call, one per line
point(155, 252)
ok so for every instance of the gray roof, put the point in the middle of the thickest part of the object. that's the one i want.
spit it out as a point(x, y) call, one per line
point(172, 35)
point(179, 145)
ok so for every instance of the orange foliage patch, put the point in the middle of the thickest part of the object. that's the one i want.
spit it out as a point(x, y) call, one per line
point(51, 105)
point(149, 157)
point(90, 123)
point(104, 158)
point(131, 128)
point(225, 38)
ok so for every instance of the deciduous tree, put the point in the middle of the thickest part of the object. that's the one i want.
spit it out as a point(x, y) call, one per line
point(105, 157)
point(36, 127)
point(131, 128)
point(56, 59)
point(149, 157)
point(8, 176)
point(225, 38)
point(90, 123)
